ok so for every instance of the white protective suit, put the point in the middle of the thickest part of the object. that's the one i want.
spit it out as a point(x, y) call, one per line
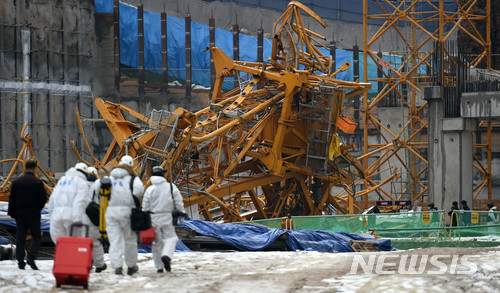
point(158, 200)
point(62, 201)
point(122, 240)
point(79, 215)
point(492, 219)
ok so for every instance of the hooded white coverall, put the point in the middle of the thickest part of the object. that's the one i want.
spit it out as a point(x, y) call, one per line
point(122, 240)
point(492, 219)
point(160, 201)
point(79, 215)
point(62, 201)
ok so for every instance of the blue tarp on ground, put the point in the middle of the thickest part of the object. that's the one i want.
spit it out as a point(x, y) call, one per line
point(45, 224)
point(8, 221)
point(249, 237)
point(244, 237)
point(326, 241)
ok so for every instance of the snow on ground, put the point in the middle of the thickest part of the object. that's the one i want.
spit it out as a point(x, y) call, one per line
point(264, 271)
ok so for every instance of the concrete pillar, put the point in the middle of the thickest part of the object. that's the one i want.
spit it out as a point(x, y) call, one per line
point(434, 97)
point(450, 153)
point(457, 146)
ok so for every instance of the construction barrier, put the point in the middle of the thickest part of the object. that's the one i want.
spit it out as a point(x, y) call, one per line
point(409, 230)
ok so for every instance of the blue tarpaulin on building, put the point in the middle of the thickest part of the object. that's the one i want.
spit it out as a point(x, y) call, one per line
point(334, 10)
point(199, 42)
point(249, 237)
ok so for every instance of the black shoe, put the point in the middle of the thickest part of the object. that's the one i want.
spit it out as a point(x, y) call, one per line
point(119, 271)
point(98, 270)
point(166, 262)
point(32, 264)
point(132, 270)
point(22, 265)
point(160, 271)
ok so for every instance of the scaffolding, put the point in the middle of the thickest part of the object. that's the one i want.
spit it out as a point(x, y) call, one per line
point(424, 60)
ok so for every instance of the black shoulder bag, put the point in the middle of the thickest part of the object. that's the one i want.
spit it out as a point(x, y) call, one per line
point(92, 211)
point(176, 215)
point(139, 220)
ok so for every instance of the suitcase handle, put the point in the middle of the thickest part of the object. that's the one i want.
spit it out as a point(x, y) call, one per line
point(79, 225)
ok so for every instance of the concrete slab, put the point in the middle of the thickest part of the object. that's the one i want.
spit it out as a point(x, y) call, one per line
point(485, 105)
point(459, 124)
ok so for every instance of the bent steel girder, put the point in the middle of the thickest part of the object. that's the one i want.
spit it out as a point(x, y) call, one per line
point(251, 153)
point(27, 152)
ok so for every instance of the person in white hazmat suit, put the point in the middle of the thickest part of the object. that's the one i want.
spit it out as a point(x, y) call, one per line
point(159, 200)
point(492, 218)
point(122, 240)
point(62, 200)
point(80, 216)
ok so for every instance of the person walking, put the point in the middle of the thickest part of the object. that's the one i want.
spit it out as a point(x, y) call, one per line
point(492, 218)
point(464, 205)
point(122, 240)
point(82, 201)
point(62, 201)
point(453, 213)
point(465, 215)
point(26, 200)
point(161, 199)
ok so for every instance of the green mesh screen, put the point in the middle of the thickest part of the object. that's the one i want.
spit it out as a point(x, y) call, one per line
point(387, 225)
point(270, 223)
point(410, 230)
point(476, 223)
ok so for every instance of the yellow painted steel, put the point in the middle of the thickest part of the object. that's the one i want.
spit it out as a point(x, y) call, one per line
point(406, 76)
point(26, 152)
point(253, 153)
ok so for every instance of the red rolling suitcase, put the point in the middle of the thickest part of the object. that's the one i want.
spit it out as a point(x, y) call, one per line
point(73, 260)
point(147, 236)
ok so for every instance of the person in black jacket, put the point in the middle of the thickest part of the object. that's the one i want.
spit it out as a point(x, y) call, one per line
point(453, 213)
point(27, 198)
point(465, 216)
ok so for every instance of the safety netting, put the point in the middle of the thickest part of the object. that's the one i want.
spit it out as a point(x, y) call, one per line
point(413, 229)
point(475, 223)
point(386, 225)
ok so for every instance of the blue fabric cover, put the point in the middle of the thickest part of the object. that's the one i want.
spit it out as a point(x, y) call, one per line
point(200, 41)
point(334, 10)
point(249, 237)
point(45, 224)
point(244, 237)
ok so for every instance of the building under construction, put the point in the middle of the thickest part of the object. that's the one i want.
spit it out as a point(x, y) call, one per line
point(310, 110)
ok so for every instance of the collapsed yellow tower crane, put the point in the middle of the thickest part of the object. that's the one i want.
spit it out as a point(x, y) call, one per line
point(265, 149)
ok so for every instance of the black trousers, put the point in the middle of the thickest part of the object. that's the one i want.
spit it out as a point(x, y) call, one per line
point(22, 231)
